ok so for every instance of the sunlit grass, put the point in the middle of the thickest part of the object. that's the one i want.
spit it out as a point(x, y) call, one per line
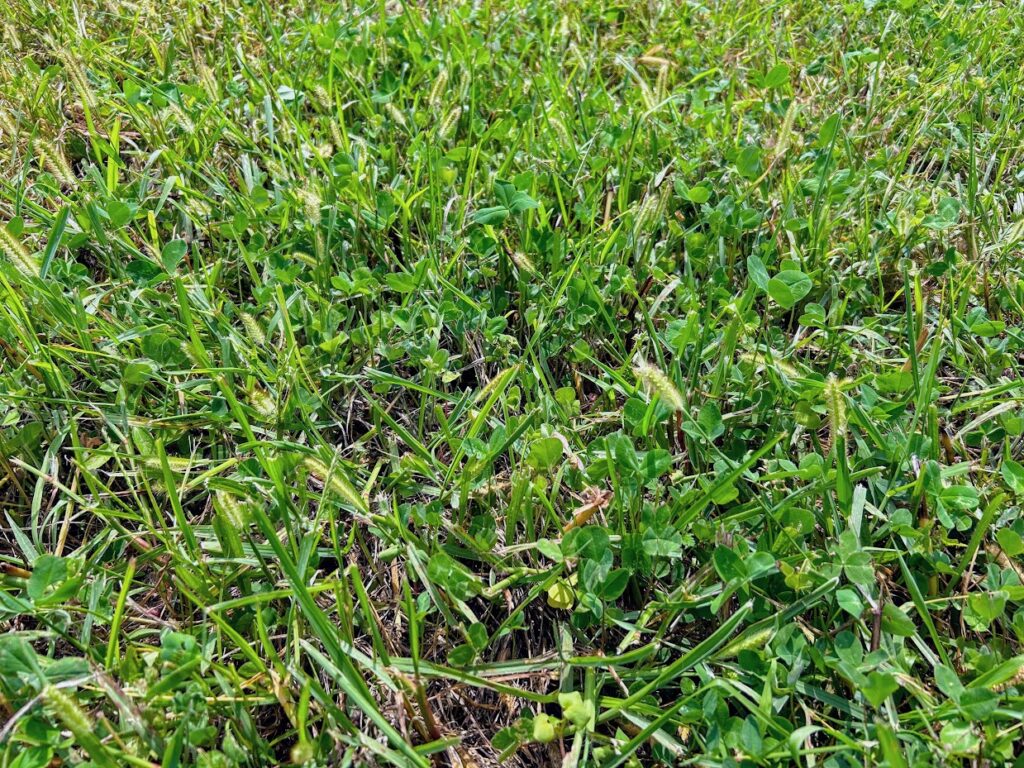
point(511, 383)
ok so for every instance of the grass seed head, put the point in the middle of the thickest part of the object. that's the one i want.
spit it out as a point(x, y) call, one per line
point(208, 80)
point(321, 97)
point(438, 88)
point(253, 329)
point(182, 119)
point(334, 479)
point(77, 76)
point(67, 710)
point(52, 159)
point(835, 405)
point(18, 254)
point(395, 114)
point(236, 511)
point(312, 204)
point(522, 261)
point(661, 84)
point(658, 383)
point(264, 404)
point(8, 126)
point(449, 122)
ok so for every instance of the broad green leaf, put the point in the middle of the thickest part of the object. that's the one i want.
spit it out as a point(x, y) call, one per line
point(895, 621)
point(544, 453)
point(850, 602)
point(1013, 474)
point(453, 576)
point(962, 497)
point(710, 420)
point(879, 687)
point(172, 254)
point(948, 682)
point(48, 573)
point(614, 585)
point(1010, 542)
point(728, 564)
point(984, 608)
point(561, 595)
point(494, 215)
point(788, 287)
point(757, 272)
point(698, 194)
point(748, 162)
point(776, 77)
point(461, 655)
point(959, 738)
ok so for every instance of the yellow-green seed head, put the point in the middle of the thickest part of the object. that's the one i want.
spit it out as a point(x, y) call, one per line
point(67, 710)
point(835, 404)
point(235, 510)
point(253, 329)
point(18, 254)
point(52, 159)
point(660, 384)
point(334, 479)
point(437, 89)
point(449, 122)
point(264, 404)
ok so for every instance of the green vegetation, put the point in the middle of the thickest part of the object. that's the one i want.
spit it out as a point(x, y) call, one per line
point(534, 383)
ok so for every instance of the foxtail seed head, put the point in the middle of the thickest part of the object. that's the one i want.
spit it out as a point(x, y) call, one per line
point(835, 405)
point(253, 329)
point(76, 74)
point(333, 478)
point(321, 96)
point(8, 127)
point(395, 114)
point(67, 710)
point(657, 382)
point(437, 89)
point(18, 254)
point(235, 511)
point(522, 261)
point(449, 122)
point(53, 160)
point(661, 84)
point(311, 204)
point(264, 404)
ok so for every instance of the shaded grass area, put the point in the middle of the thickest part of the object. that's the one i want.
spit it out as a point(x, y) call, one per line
point(530, 383)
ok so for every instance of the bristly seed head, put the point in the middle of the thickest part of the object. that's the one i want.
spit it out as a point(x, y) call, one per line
point(311, 203)
point(322, 97)
point(182, 118)
point(661, 84)
point(449, 122)
point(835, 405)
point(8, 127)
point(67, 710)
point(76, 74)
point(52, 158)
point(264, 404)
point(335, 480)
point(395, 114)
point(235, 510)
point(208, 80)
point(522, 261)
point(660, 384)
point(437, 89)
point(253, 329)
point(18, 254)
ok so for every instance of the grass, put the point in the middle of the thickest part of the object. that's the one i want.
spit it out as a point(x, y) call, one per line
point(529, 383)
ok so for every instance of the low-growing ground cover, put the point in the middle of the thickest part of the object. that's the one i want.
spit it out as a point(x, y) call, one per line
point(530, 383)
